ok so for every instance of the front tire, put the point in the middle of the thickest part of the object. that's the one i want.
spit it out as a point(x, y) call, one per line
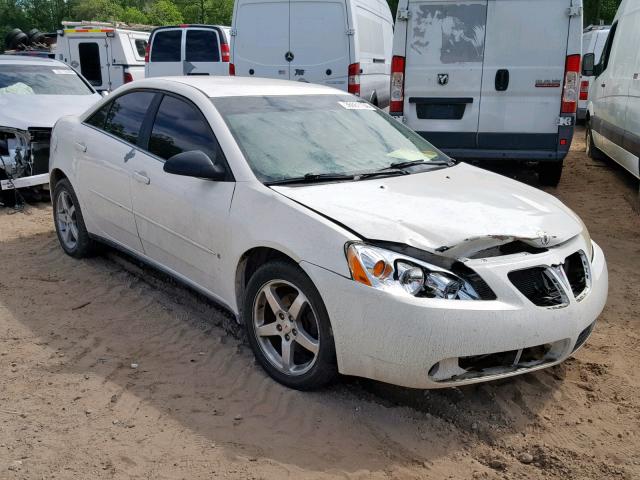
point(550, 173)
point(67, 217)
point(288, 327)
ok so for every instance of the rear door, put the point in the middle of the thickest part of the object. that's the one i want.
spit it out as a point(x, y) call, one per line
point(165, 55)
point(261, 40)
point(90, 57)
point(202, 52)
point(444, 55)
point(524, 63)
point(319, 42)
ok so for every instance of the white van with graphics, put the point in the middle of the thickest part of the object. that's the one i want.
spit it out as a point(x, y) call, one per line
point(188, 50)
point(344, 44)
point(490, 79)
point(613, 116)
point(106, 54)
point(593, 41)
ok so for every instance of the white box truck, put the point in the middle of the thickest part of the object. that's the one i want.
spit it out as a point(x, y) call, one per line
point(345, 44)
point(613, 113)
point(490, 79)
point(106, 54)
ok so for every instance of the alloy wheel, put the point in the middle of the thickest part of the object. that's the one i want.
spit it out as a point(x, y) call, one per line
point(286, 327)
point(66, 220)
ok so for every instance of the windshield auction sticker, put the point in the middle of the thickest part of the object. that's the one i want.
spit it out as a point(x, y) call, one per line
point(356, 106)
point(66, 71)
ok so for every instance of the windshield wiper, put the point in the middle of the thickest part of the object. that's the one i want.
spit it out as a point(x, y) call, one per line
point(313, 178)
point(411, 163)
point(387, 172)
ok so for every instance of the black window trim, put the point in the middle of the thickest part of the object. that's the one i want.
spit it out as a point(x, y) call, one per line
point(606, 52)
point(146, 126)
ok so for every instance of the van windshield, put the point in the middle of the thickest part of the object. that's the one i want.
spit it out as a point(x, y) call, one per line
point(41, 80)
point(289, 137)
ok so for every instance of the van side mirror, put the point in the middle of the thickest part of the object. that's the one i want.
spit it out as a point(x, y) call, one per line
point(195, 163)
point(588, 64)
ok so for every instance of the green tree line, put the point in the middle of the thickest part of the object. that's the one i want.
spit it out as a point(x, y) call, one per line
point(46, 15)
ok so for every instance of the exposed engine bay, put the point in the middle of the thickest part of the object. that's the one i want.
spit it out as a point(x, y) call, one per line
point(24, 160)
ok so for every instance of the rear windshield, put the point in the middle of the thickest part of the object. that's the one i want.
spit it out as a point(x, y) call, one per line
point(41, 80)
point(166, 46)
point(284, 137)
point(202, 46)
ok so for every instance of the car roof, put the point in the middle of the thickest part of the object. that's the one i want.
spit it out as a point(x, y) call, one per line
point(219, 86)
point(27, 60)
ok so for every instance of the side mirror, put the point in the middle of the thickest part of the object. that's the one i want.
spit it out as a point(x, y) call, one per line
point(194, 163)
point(588, 64)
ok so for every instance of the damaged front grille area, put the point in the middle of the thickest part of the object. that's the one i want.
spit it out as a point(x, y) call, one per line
point(496, 364)
point(24, 153)
point(540, 286)
point(576, 268)
point(511, 248)
point(40, 145)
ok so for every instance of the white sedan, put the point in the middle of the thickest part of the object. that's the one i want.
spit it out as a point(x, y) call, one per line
point(342, 240)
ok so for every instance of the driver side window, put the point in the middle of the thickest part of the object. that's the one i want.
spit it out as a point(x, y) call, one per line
point(180, 127)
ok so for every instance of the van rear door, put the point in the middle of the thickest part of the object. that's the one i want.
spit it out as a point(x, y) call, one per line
point(319, 42)
point(203, 54)
point(444, 55)
point(261, 39)
point(524, 63)
point(165, 54)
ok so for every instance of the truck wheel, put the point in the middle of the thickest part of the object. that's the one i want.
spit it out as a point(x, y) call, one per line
point(67, 218)
point(288, 327)
point(592, 151)
point(549, 173)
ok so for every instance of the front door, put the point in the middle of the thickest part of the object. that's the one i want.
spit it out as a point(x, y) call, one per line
point(444, 56)
point(90, 56)
point(182, 221)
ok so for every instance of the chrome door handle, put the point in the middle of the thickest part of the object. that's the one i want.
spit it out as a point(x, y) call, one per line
point(81, 147)
point(141, 177)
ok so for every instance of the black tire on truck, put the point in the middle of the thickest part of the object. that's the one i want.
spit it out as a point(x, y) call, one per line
point(549, 173)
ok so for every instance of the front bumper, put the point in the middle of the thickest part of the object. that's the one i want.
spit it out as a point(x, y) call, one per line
point(23, 182)
point(399, 340)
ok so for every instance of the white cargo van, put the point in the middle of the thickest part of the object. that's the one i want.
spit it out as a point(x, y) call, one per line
point(613, 114)
point(345, 44)
point(490, 79)
point(593, 40)
point(188, 50)
point(106, 55)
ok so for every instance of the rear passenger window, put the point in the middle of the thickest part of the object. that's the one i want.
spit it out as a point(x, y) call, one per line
point(180, 127)
point(166, 46)
point(89, 53)
point(127, 114)
point(98, 118)
point(202, 46)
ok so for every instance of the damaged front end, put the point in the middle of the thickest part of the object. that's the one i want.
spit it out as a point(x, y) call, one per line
point(24, 158)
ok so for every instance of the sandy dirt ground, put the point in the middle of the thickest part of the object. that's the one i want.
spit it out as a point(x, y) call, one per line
point(197, 406)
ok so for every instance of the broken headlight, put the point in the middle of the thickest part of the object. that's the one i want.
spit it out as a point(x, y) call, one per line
point(395, 273)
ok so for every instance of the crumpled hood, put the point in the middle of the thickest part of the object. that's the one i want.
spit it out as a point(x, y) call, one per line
point(24, 111)
point(456, 211)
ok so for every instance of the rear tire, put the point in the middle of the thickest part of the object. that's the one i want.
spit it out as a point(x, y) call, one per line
point(549, 173)
point(288, 327)
point(69, 222)
point(593, 152)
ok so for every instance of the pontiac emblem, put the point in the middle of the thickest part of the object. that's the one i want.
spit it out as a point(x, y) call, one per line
point(443, 78)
